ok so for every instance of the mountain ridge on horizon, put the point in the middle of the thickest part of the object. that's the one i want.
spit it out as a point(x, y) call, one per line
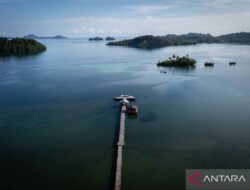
point(33, 36)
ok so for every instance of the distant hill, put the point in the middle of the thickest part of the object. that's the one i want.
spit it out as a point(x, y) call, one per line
point(190, 38)
point(145, 42)
point(20, 47)
point(241, 38)
point(152, 42)
point(32, 36)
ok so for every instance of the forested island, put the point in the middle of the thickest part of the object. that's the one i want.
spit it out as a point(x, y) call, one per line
point(153, 42)
point(20, 47)
point(177, 61)
point(110, 39)
point(96, 39)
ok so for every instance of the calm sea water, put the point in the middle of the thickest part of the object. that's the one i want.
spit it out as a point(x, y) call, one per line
point(58, 120)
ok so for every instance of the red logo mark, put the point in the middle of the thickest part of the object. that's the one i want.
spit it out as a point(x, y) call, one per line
point(195, 179)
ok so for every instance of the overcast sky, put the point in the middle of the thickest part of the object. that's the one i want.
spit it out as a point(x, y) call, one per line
point(124, 18)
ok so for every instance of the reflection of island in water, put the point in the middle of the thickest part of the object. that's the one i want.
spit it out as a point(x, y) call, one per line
point(20, 47)
point(176, 70)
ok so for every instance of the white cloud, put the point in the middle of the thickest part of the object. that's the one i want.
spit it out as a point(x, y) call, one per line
point(149, 8)
point(104, 26)
point(217, 3)
point(89, 30)
point(222, 3)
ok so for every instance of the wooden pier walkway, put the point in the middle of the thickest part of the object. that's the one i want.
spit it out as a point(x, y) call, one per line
point(120, 145)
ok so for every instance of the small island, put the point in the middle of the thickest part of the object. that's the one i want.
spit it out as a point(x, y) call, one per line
point(96, 39)
point(110, 39)
point(176, 61)
point(232, 63)
point(20, 47)
point(208, 64)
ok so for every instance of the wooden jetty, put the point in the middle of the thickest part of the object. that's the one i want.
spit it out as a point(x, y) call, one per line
point(124, 99)
point(120, 145)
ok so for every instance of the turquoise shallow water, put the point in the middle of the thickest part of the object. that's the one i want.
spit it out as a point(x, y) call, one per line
point(58, 120)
